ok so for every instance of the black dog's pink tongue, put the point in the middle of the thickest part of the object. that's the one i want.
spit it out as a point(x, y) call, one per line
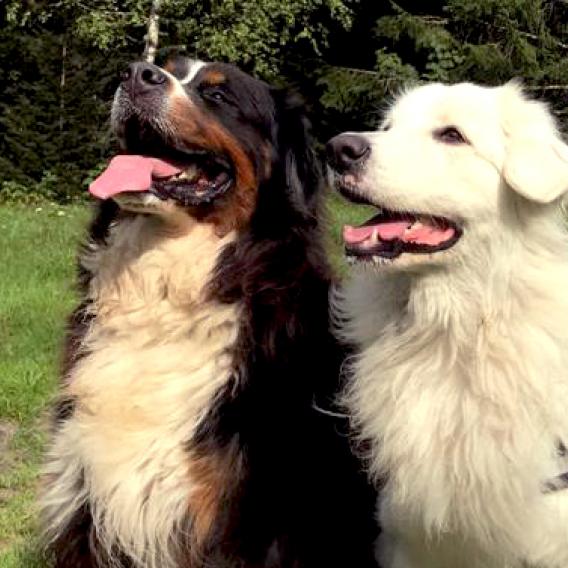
point(130, 173)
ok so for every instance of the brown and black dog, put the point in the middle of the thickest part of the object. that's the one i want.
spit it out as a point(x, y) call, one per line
point(188, 432)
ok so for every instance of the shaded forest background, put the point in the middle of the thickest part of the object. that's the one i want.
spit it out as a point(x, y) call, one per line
point(59, 61)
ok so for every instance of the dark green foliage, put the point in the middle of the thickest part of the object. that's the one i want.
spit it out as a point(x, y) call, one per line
point(348, 58)
point(53, 119)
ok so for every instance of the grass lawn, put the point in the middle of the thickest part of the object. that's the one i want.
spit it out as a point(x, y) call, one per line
point(37, 248)
point(37, 251)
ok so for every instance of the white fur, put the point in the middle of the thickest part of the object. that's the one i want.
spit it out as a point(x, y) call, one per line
point(194, 67)
point(159, 352)
point(461, 382)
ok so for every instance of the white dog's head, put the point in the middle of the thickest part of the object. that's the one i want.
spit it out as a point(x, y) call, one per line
point(446, 166)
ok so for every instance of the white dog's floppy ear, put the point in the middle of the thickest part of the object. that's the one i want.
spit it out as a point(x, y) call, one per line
point(536, 160)
point(537, 169)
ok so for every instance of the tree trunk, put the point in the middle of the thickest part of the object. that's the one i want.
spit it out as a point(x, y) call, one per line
point(152, 32)
point(62, 79)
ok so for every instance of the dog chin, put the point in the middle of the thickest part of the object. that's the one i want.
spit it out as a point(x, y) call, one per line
point(406, 262)
point(138, 201)
point(145, 203)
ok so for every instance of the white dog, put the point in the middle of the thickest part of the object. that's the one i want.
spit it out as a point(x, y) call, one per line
point(459, 307)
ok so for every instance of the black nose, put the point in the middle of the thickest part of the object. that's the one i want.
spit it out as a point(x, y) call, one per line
point(140, 78)
point(346, 151)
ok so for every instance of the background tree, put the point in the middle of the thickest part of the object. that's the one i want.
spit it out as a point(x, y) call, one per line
point(153, 32)
point(59, 62)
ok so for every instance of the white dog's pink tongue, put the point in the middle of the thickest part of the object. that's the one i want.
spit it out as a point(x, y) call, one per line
point(386, 231)
point(130, 173)
point(405, 231)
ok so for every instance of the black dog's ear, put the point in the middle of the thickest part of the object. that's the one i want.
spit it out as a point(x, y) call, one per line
point(302, 167)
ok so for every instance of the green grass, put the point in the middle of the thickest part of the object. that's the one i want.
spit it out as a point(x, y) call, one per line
point(37, 252)
point(37, 249)
point(340, 212)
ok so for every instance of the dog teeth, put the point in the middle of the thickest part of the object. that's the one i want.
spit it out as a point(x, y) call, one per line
point(189, 174)
point(415, 226)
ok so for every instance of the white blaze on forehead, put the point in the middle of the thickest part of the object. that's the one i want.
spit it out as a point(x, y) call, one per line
point(193, 67)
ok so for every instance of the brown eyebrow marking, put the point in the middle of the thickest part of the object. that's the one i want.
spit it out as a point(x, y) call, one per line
point(214, 77)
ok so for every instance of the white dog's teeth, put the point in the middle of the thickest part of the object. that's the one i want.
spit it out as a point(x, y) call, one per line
point(375, 236)
point(414, 227)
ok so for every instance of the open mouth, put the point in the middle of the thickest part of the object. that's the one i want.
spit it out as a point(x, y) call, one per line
point(389, 234)
point(198, 182)
point(191, 177)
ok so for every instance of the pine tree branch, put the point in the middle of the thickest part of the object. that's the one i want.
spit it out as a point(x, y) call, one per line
point(386, 80)
point(546, 87)
point(530, 35)
point(434, 20)
point(378, 77)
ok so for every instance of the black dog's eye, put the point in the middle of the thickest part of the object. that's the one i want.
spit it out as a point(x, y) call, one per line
point(215, 93)
point(450, 135)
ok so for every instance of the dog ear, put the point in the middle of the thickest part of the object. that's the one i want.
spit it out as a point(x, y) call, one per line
point(536, 160)
point(301, 166)
point(537, 169)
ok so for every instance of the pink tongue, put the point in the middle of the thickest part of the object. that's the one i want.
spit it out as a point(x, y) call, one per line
point(386, 231)
point(389, 230)
point(130, 173)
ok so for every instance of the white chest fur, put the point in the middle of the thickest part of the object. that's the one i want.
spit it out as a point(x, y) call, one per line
point(157, 353)
point(464, 414)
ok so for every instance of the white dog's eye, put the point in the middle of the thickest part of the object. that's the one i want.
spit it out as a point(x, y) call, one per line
point(449, 135)
point(386, 126)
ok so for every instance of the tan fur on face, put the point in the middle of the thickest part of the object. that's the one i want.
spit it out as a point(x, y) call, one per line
point(195, 128)
point(159, 350)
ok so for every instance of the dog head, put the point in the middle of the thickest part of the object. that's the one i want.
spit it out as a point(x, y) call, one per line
point(445, 168)
point(205, 140)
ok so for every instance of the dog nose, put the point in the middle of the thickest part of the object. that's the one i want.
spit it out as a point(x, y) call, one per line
point(347, 150)
point(141, 77)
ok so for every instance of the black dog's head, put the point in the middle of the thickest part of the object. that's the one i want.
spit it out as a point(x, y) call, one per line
point(210, 139)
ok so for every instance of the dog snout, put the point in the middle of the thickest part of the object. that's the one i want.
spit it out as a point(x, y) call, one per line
point(347, 151)
point(142, 78)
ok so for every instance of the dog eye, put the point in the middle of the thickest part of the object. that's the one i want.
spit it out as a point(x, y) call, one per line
point(216, 94)
point(386, 126)
point(449, 135)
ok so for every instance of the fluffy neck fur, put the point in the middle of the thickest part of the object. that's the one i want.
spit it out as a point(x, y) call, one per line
point(449, 382)
point(156, 353)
